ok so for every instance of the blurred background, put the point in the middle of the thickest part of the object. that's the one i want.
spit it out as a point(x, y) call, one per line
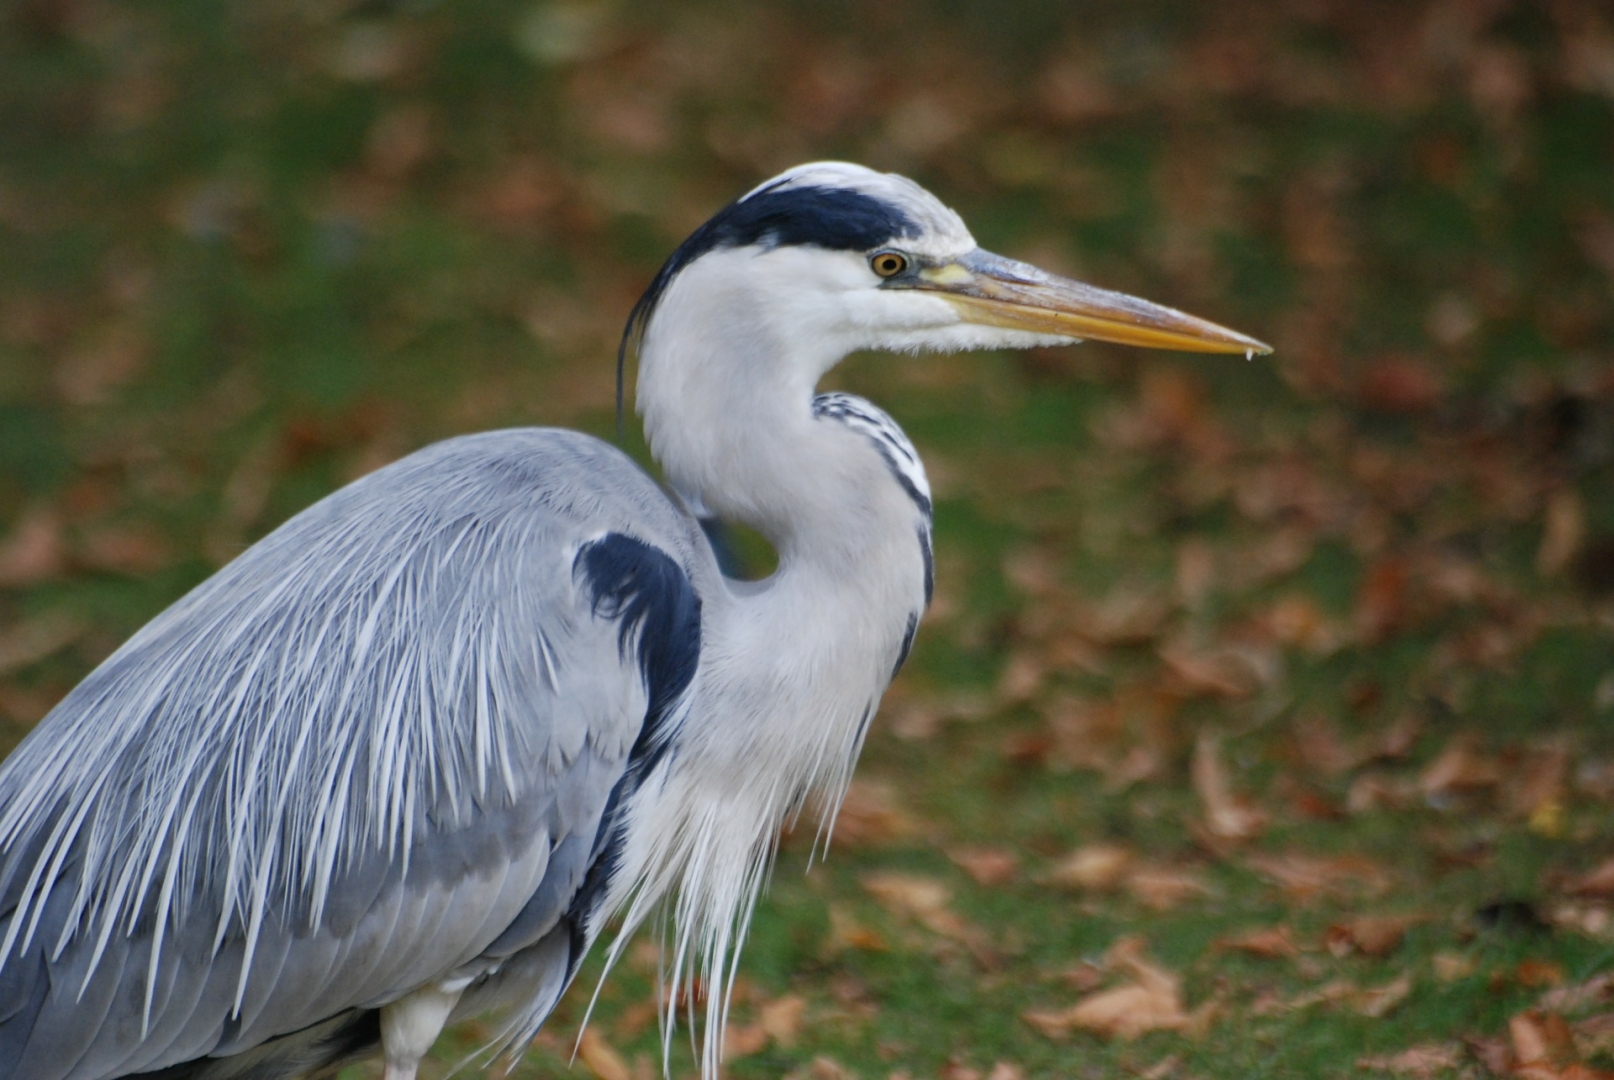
point(1280, 693)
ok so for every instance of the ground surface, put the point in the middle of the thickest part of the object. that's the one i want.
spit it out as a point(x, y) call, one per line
point(1264, 723)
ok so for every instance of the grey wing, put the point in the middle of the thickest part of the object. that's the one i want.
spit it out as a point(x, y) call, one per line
point(380, 748)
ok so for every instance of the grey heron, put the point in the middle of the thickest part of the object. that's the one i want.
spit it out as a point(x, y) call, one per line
point(404, 758)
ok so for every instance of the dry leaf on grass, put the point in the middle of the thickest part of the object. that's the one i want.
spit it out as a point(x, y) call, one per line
point(1150, 1001)
point(872, 814)
point(1538, 973)
point(1093, 868)
point(1113, 868)
point(821, 1067)
point(1161, 888)
point(925, 901)
point(1373, 1001)
point(782, 1017)
point(601, 1057)
point(1597, 882)
point(33, 552)
point(1226, 816)
point(1231, 671)
point(1460, 767)
point(32, 640)
point(1594, 992)
point(1379, 791)
point(1563, 534)
point(845, 932)
point(1594, 1036)
point(1540, 782)
point(1321, 747)
point(1268, 943)
point(1420, 1062)
point(986, 865)
point(1451, 966)
point(1369, 935)
point(1125, 617)
point(1594, 920)
point(133, 548)
point(1541, 1038)
point(1380, 1001)
point(1304, 878)
point(778, 1022)
point(1123, 1012)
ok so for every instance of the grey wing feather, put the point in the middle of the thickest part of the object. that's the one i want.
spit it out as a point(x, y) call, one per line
point(341, 767)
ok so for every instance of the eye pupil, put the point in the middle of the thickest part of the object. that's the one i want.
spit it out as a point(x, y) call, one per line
point(888, 264)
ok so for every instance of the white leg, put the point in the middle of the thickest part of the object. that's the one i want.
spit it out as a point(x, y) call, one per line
point(410, 1025)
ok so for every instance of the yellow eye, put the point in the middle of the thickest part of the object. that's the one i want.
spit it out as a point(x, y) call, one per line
point(888, 263)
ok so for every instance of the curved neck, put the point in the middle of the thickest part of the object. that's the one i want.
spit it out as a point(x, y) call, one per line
point(727, 405)
point(793, 667)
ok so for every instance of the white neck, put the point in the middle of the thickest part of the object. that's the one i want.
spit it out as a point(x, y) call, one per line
point(792, 667)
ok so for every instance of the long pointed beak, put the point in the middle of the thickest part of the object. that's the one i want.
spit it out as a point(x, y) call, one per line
point(995, 291)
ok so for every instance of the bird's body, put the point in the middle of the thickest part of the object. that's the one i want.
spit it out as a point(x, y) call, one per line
point(403, 758)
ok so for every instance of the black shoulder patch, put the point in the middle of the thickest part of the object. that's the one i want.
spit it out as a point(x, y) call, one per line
point(659, 620)
point(840, 219)
point(907, 643)
point(928, 553)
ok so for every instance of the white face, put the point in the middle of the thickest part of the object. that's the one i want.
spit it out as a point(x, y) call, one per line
point(849, 306)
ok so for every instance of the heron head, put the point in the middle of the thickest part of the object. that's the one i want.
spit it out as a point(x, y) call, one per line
point(855, 259)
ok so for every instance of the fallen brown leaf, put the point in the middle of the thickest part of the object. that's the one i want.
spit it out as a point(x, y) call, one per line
point(1226, 816)
point(1538, 973)
point(1598, 990)
point(1369, 935)
point(1540, 780)
point(133, 548)
point(1162, 888)
point(1594, 1035)
point(872, 814)
point(1382, 600)
point(1021, 678)
point(925, 900)
point(1459, 767)
point(1268, 943)
point(1398, 382)
point(1422, 1062)
point(985, 865)
point(1126, 1012)
point(1378, 791)
point(1217, 672)
point(1163, 1069)
point(1094, 868)
point(1124, 617)
point(821, 1067)
point(1597, 882)
point(743, 1040)
point(601, 1057)
point(1380, 1001)
point(1304, 877)
point(1321, 747)
point(845, 932)
point(34, 639)
point(781, 1018)
point(1151, 1001)
point(1541, 1038)
point(1451, 966)
point(33, 552)
point(1591, 918)
point(1563, 532)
